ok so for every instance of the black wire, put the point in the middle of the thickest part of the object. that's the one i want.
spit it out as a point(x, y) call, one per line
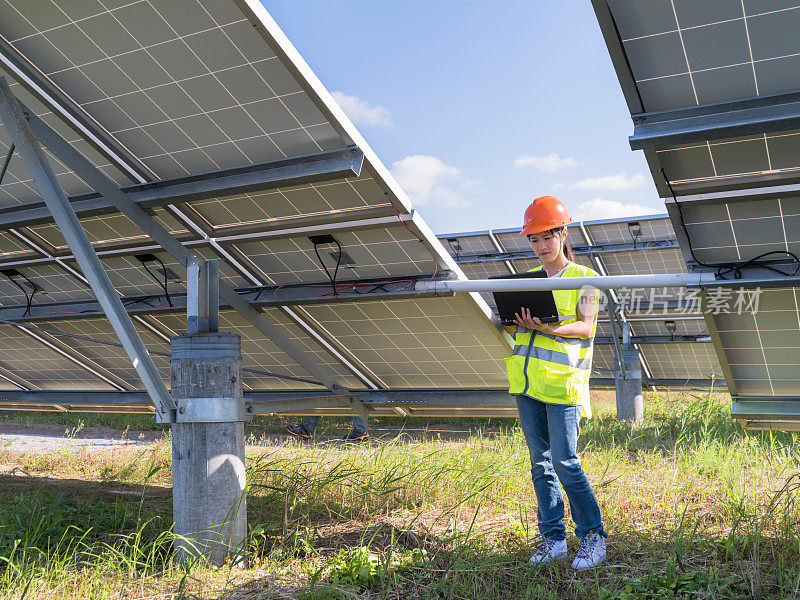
point(336, 270)
point(158, 281)
point(635, 237)
point(5, 163)
point(28, 299)
point(726, 268)
point(33, 293)
point(166, 291)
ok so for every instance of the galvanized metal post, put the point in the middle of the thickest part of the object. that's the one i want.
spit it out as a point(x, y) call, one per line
point(56, 200)
point(202, 297)
point(630, 406)
point(209, 498)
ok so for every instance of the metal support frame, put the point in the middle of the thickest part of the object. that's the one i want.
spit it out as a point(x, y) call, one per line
point(578, 251)
point(36, 162)
point(499, 247)
point(309, 401)
point(726, 120)
point(629, 342)
point(202, 298)
point(108, 189)
point(767, 413)
point(260, 296)
point(333, 164)
point(700, 279)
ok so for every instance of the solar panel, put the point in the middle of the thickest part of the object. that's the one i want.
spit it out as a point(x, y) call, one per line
point(687, 53)
point(261, 354)
point(728, 72)
point(170, 95)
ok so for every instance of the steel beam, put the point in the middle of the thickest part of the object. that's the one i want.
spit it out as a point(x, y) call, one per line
point(764, 192)
point(766, 408)
point(106, 187)
point(261, 296)
point(726, 120)
point(704, 279)
point(283, 401)
point(577, 250)
point(658, 339)
point(35, 161)
point(334, 164)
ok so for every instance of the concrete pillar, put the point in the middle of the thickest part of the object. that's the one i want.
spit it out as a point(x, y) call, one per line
point(208, 470)
point(629, 388)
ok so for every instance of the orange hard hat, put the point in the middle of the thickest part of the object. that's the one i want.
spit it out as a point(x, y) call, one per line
point(545, 213)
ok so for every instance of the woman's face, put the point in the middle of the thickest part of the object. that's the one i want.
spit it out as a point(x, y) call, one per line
point(547, 245)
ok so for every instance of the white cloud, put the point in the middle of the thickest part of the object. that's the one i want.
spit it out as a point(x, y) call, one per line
point(429, 181)
point(545, 164)
point(362, 112)
point(620, 181)
point(600, 208)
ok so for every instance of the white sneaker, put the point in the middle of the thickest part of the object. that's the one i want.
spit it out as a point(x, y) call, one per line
point(548, 551)
point(591, 552)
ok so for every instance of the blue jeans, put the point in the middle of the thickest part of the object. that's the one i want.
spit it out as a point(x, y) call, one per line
point(310, 424)
point(551, 431)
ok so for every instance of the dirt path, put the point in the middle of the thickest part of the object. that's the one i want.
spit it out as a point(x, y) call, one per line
point(21, 437)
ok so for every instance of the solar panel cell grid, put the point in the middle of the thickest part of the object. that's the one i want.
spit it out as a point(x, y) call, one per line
point(162, 88)
point(336, 200)
point(694, 326)
point(108, 231)
point(621, 233)
point(422, 343)
point(762, 348)
point(679, 361)
point(384, 252)
point(741, 230)
point(43, 367)
point(684, 53)
point(261, 354)
point(112, 359)
point(468, 244)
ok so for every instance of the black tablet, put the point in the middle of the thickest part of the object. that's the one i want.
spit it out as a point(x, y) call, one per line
point(541, 303)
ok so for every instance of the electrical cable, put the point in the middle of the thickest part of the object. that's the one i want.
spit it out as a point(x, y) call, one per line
point(635, 237)
point(28, 299)
point(726, 268)
point(157, 280)
point(338, 262)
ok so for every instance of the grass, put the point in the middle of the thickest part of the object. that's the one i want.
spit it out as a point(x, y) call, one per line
point(695, 507)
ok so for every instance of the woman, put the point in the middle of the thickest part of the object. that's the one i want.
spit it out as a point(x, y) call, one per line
point(549, 373)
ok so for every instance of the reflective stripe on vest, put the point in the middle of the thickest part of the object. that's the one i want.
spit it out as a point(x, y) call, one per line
point(561, 340)
point(553, 356)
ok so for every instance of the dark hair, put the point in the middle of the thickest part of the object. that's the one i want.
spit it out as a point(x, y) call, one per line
point(565, 247)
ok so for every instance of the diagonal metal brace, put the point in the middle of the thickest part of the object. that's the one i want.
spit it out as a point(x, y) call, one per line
point(103, 185)
point(42, 174)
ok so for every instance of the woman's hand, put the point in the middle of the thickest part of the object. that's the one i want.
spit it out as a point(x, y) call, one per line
point(529, 322)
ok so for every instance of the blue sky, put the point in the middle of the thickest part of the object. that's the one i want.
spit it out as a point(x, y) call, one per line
point(480, 107)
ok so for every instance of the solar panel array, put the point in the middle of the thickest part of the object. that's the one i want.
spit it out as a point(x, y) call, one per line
point(645, 247)
point(712, 89)
point(179, 91)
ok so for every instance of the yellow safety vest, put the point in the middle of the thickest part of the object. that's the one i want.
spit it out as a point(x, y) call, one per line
point(551, 368)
